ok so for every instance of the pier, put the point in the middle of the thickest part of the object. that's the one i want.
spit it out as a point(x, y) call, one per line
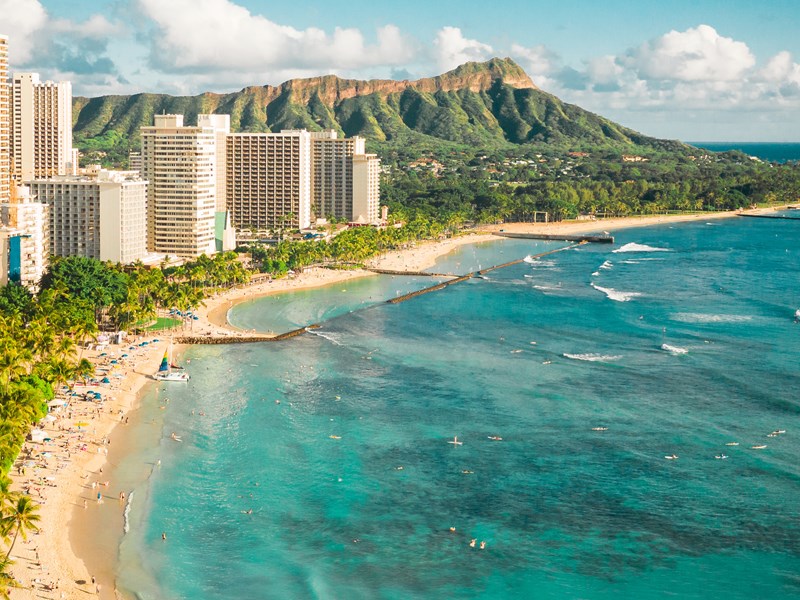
point(441, 286)
point(410, 273)
point(242, 338)
point(594, 239)
point(786, 217)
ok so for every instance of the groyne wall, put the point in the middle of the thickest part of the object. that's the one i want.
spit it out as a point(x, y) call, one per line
point(594, 239)
point(242, 338)
point(441, 286)
point(788, 218)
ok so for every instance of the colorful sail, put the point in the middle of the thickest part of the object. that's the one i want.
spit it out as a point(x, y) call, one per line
point(164, 364)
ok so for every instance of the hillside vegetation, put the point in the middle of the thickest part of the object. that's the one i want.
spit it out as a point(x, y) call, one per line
point(487, 105)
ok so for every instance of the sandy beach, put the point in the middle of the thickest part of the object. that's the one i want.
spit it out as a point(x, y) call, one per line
point(65, 474)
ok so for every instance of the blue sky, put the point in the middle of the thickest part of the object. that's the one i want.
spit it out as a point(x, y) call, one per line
point(692, 70)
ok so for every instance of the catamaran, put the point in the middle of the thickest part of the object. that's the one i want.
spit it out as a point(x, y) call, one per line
point(169, 372)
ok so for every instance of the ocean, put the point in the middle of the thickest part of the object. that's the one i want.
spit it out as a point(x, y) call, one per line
point(321, 467)
point(773, 152)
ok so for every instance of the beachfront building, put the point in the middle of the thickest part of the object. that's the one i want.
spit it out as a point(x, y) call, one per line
point(345, 179)
point(5, 124)
point(366, 206)
point(100, 215)
point(41, 128)
point(135, 161)
point(269, 180)
point(221, 124)
point(26, 246)
point(180, 164)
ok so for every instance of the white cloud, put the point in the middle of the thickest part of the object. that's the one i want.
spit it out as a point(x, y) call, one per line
point(219, 35)
point(58, 48)
point(453, 49)
point(539, 62)
point(693, 69)
point(20, 19)
point(697, 54)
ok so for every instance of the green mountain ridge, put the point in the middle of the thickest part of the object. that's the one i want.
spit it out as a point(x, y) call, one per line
point(487, 104)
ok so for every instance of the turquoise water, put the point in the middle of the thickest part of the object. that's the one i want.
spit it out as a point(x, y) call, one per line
point(538, 354)
point(775, 152)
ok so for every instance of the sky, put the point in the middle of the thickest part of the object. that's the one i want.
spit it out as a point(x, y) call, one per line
point(694, 70)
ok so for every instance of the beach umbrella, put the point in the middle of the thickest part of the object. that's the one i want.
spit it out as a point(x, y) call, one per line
point(106, 380)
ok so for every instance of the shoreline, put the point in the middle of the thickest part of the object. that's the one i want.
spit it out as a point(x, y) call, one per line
point(74, 558)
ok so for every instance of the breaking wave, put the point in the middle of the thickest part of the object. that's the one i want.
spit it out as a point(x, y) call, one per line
point(326, 336)
point(616, 295)
point(591, 357)
point(674, 349)
point(709, 318)
point(634, 247)
point(126, 527)
point(607, 265)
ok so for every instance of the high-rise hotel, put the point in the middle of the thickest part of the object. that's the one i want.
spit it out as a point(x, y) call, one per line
point(100, 214)
point(5, 124)
point(180, 164)
point(345, 179)
point(269, 180)
point(41, 128)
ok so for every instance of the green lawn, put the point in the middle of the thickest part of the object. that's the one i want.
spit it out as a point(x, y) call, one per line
point(163, 323)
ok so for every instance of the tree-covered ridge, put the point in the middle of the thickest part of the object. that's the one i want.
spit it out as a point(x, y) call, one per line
point(478, 104)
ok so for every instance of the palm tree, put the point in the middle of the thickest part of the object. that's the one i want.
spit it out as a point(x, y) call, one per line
point(7, 580)
point(21, 518)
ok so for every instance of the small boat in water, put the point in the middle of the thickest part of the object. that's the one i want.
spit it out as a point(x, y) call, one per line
point(732, 444)
point(759, 447)
point(671, 457)
point(169, 372)
point(599, 428)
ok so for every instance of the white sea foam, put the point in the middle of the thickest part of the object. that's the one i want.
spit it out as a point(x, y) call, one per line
point(634, 247)
point(546, 288)
point(596, 274)
point(529, 259)
point(710, 318)
point(591, 357)
point(674, 349)
point(616, 295)
point(326, 336)
point(528, 276)
point(126, 527)
point(607, 265)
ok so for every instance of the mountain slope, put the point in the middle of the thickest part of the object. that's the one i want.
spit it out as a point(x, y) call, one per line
point(477, 104)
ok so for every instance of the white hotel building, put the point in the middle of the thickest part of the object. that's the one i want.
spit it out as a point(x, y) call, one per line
point(41, 128)
point(180, 164)
point(100, 215)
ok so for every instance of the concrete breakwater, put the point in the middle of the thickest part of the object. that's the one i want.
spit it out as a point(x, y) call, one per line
point(242, 338)
point(595, 239)
point(441, 286)
point(754, 216)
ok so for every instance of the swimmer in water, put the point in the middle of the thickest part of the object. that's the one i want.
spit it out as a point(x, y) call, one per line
point(472, 542)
